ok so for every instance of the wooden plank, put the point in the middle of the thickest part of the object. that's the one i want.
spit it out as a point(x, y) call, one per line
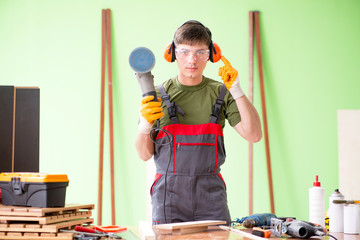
point(187, 227)
point(250, 93)
point(19, 210)
point(48, 228)
point(263, 107)
point(190, 230)
point(32, 226)
point(348, 153)
point(145, 230)
point(48, 234)
point(245, 234)
point(189, 224)
point(39, 212)
point(31, 234)
point(46, 219)
point(16, 225)
point(27, 236)
point(67, 224)
point(111, 127)
point(102, 119)
point(15, 234)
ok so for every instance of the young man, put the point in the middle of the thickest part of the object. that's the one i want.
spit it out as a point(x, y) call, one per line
point(189, 148)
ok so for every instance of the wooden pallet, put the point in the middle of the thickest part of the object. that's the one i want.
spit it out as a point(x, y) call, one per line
point(40, 212)
point(46, 219)
point(34, 236)
point(47, 228)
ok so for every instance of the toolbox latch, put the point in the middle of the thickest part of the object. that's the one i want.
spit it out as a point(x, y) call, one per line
point(16, 186)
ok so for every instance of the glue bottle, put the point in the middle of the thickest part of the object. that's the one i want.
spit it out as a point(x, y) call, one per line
point(317, 203)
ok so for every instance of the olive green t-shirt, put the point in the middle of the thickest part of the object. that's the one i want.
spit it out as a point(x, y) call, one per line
point(197, 102)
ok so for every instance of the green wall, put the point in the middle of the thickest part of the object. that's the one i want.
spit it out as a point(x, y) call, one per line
point(310, 56)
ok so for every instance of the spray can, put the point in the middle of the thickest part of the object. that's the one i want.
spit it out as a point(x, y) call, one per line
point(336, 212)
point(317, 203)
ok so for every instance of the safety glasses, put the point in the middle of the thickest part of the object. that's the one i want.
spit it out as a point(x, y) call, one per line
point(202, 55)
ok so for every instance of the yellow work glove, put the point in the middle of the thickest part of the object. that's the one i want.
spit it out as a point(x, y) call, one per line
point(149, 112)
point(230, 77)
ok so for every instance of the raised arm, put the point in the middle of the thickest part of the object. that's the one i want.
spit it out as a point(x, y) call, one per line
point(250, 126)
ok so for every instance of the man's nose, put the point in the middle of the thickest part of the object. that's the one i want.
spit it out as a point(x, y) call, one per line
point(192, 57)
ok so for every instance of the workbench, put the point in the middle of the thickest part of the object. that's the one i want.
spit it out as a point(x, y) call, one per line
point(219, 234)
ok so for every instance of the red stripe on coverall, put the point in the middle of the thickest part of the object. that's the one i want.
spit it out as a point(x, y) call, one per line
point(215, 154)
point(180, 129)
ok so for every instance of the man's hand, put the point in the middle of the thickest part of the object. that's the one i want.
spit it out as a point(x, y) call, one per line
point(227, 73)
point(230, 77)
point(149, 112)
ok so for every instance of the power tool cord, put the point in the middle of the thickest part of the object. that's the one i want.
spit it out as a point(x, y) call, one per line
point(170, 138)
point(321, 233)
point(331, 236)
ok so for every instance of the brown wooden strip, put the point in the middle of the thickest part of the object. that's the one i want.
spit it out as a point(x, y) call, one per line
point(50, 228)
point(39, 212)
point(102, 118)
point(47, 234)
point(110, 103)
point(21, 210)
point(64, 234)
point(35, 211)
point(250, 93)
point(61, 237)
point(31, 234)
point(17, 225)
point(41, 220)
point(263, 106)
point(14, 234)
point(56, 227)
point(6, 209)
point(33, 226)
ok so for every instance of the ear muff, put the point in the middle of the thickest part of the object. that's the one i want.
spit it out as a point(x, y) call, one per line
point(215, 52)
point(169, 53)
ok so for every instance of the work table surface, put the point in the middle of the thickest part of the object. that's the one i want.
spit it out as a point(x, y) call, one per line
point(219, 234)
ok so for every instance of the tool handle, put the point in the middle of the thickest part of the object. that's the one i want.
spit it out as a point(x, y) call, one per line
point(84, 229)
point(109, 229)
point(261, 232)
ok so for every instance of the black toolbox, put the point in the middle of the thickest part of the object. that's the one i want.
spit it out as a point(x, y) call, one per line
point(33, 189)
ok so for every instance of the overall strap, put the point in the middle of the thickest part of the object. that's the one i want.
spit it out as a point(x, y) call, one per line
point(214, 118)
point(171, 107)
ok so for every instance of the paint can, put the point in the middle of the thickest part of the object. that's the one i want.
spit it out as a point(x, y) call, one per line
point(352, 219)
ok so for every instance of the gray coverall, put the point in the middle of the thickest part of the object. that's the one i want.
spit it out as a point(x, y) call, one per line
point(188, 185)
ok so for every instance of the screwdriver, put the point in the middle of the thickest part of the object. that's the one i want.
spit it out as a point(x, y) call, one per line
point(82, 233)
point(346, 201)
